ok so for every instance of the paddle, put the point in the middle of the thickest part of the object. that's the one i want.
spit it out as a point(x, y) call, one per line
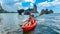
point(39, 15)
point(36, 16)
point(27, 20)
point(23, 22)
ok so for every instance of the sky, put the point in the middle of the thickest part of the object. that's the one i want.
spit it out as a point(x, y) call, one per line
point(14, 5)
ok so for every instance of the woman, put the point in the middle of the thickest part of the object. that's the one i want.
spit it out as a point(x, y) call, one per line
point(31, 20)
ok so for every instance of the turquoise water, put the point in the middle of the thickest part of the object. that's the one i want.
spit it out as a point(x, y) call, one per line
point(47, 24)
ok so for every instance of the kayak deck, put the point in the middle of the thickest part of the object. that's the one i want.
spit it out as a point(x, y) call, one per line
point(27, 28)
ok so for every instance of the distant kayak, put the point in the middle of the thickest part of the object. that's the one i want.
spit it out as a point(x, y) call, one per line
point(29, 27)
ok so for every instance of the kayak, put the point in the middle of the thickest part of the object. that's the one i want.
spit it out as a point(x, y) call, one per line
point(29, 27)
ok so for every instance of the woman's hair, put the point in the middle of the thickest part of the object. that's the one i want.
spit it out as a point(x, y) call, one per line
point(32, 15)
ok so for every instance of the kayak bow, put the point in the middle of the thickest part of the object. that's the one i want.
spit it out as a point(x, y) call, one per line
point(29, 27)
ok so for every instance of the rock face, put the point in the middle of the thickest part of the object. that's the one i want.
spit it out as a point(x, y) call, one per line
point(51, 11)
point(46, 11)
point(0, 7)
point(20, 11)
point(29, 11)
point(33, 10)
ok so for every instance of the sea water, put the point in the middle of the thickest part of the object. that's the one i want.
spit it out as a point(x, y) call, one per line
point(46, 24)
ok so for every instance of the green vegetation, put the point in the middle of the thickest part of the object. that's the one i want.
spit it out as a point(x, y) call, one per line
point(3, 11)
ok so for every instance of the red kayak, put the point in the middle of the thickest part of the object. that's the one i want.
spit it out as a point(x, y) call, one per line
point(29, 27)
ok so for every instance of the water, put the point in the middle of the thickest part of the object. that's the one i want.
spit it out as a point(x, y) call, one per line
point(47, 24)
